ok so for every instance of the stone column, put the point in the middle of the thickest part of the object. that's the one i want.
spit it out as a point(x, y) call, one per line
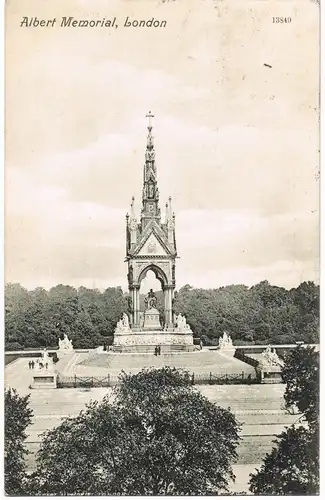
point(168, 293)
point(170, 306)
point(136, 305)
point(135, 308)
point(166, 306)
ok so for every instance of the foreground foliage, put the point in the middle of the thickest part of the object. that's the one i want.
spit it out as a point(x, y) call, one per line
point(292, 468)
point(17, 418)
point(156, 436)
point(301, 376)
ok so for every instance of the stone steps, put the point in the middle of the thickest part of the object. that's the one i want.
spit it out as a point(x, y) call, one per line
point(146, 349)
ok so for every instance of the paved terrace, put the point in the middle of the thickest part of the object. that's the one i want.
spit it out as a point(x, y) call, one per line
point(199, 362)
point(258, 407)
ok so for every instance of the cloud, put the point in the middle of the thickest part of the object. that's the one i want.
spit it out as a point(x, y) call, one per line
point(230, 241)
point(236, 142)
point(282, 273)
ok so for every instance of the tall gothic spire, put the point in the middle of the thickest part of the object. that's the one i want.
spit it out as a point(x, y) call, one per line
point(150, 193)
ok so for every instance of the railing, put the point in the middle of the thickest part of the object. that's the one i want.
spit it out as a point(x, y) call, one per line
point(85, 382)
point(226, 378)
point(196, 379)
point(247, 359)
point(250, 361)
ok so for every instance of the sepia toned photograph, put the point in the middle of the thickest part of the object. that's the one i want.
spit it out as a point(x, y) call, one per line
point(161, 297)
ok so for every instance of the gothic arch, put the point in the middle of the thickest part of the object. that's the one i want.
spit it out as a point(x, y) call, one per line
point(158, 272)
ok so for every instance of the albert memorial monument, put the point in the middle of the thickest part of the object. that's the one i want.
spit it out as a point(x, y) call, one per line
point(151, 245)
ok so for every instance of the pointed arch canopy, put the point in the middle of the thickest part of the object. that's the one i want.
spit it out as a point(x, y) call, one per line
point(158, 272)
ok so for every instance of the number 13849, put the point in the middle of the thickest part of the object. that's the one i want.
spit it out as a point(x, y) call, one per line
point(281, 19)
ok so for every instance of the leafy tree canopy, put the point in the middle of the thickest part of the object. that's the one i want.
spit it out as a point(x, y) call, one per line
point(38, 318)
point(292, 468)
point(17, 418)
point(156, 435)
point(301, 375)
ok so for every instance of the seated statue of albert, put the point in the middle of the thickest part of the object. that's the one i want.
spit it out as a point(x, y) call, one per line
point(150, 300)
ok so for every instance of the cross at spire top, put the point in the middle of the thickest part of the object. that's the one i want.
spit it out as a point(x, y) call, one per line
point(150, 116)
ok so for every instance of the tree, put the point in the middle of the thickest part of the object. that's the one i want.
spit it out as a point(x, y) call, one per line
point(17, 418)
point(156, 436)
point(301, 375)
point(292, 468)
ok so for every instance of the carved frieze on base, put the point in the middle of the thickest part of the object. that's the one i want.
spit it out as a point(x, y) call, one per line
point(153, 338)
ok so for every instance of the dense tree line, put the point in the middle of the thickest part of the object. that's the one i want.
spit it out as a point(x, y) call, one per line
point(259, 314)
point(37, 318)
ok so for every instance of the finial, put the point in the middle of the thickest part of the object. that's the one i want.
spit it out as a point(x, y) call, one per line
point(132, 207)
point(150, 116)
point(169, 208)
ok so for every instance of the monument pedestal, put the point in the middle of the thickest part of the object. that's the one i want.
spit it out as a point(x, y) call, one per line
point(151, 320)
point(271, 374)
point(228, 351)
point(145, 341)
point(150, 335)
point(44, 379)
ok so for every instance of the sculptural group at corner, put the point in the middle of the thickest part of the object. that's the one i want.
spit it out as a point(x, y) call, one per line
point(181, 324)
point(225, 341)
point(270, 357)
point(123, 325)
point(65, 344)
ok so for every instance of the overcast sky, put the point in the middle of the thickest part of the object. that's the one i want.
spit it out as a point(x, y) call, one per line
point(236, 140)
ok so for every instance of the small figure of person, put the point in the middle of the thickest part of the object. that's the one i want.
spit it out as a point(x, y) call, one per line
point(156, 351)
point(201, 344)
point(29, 365)
point(159, 350)
point(46, 365)
point(33, 364)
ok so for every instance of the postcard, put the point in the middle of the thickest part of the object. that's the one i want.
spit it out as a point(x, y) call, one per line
point(161, 247)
